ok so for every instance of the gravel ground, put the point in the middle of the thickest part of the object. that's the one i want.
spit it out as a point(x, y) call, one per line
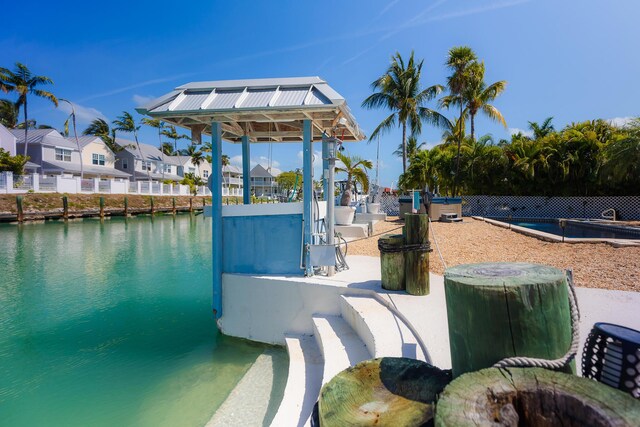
point(595, 265)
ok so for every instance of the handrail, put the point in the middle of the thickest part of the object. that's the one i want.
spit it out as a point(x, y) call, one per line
point(609, 214)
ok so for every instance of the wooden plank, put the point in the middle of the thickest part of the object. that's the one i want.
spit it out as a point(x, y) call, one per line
point(417, 261)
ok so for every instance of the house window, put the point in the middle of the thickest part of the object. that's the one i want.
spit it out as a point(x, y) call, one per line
point(146, 166)
point(63, 155)
point(167, 168)
point(205, 174)
point(97, 159)
point(125, 164)
point(192, 170)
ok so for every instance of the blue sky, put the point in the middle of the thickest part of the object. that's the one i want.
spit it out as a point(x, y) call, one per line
point(571, 59)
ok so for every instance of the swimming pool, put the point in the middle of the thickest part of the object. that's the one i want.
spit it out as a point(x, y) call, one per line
point(110, 324)
point(575, 228)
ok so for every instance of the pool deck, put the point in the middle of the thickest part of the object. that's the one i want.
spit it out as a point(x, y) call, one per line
point(549, 237)
point(327, 322)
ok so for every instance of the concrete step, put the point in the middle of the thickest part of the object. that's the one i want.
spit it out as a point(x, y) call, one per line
point(353, 231)
point(339, 344)
point(369, 217)
point(303, 382)
point(382, 332)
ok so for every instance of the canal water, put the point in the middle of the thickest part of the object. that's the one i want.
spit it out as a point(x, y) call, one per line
point(110, 324)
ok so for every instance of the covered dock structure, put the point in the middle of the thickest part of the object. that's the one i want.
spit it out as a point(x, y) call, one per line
point(263, 239)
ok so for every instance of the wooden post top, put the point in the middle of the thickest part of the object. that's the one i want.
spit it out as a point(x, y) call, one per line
point(504, 274)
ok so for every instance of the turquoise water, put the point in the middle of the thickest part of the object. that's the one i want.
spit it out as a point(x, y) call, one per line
point(110, 324)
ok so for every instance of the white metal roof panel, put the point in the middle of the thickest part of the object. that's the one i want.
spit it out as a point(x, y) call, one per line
point(316, 97)
point(225, 99)
point(258, 98)
point(290, 96)
point(193, 100)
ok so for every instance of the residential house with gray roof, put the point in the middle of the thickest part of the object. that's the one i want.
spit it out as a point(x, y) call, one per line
point(146, 162)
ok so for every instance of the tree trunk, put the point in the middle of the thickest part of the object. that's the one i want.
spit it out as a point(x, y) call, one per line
point(26, 126)
point(500, 310)
point(473, 126)
point(417, 261)
point(533, 397)
point(404, 147)
point(75, 133)
point(455, 180)
point(390, 391)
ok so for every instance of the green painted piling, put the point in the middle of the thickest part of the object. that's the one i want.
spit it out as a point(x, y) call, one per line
point(101, 207)
point(65, 207)
point(19, 207)
point(126, 206)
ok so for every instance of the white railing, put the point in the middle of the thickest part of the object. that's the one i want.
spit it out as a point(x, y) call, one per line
point(10, 183)
point(23, 182)
point(48, 183)
point(87, 186)
point(104, 187)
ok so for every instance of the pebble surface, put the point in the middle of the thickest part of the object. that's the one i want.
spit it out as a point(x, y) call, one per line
point(595, 265)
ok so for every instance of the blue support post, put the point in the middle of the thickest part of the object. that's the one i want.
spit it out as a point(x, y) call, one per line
point(307, 181)
point(325, 166)
point(246, 170)
point(215, 184)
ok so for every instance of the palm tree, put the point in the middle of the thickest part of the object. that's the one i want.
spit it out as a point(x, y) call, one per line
point(399, 91)
point(126, 123)
point(22, 81)
point(8, 113)
point(158, 124)
point(542, 130)
point(72, 116)
point(458, 61)
point(101, 129)
point(225, 160)
point(477, 95)
point(356, 170)
point(412, 148)
point(170, 132)
point(195, 154)
point(167, 148)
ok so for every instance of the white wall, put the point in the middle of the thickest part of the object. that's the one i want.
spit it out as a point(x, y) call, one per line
point(7, 141)
point(98, 148)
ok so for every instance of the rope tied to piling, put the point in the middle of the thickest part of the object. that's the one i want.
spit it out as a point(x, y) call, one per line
point(415, 247)
point(531, 362)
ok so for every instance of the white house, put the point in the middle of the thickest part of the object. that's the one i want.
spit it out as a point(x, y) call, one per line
point(263, 182)
point(186, 165)
point(57, 155)
point(146, 162)
point(7, 140)
point(232, 181)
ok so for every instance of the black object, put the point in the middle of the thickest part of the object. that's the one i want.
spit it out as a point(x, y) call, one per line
point(611, 356)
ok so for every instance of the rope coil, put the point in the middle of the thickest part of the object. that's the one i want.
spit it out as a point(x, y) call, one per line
point(530, 362)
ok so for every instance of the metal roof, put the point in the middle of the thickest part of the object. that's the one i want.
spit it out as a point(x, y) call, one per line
point(149, 152)
point(267, 110)
point(48, 137)
point(57, 166)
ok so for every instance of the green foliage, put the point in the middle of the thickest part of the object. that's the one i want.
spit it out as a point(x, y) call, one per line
point(9, 163)
point(287, 181)
point(8, 113)
point(356, 170)
point(193, 181)
point(398, 90)
point(584, 159)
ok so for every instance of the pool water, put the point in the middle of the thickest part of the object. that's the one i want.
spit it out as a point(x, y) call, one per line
point(110, 324)
point(576, 230)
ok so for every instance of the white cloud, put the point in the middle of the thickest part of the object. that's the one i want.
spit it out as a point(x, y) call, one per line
point(236, 160)
point(262, 160)
point(513, 131)
point(620, 121)
point(142, 99)
point(83, 114)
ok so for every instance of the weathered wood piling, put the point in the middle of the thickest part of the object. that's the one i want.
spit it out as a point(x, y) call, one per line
point(392, 262)
point(417, 258)
point(501, 310)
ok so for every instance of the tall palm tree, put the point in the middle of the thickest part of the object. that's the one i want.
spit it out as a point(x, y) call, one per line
point(126, 123)
point(225, 160)
point(158, 124)
point(399, 91)
point(22, 81)
point(477, 96)
point(356, 169)
point(101, 129)
point(167, 148)
point(8, 113)
point(412, 148)
point(458, 61)
point(72, 117)
point(542, 130)
point(195, 154)
point(170, 132)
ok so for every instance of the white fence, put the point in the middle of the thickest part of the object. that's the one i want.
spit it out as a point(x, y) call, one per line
point(10, 184)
